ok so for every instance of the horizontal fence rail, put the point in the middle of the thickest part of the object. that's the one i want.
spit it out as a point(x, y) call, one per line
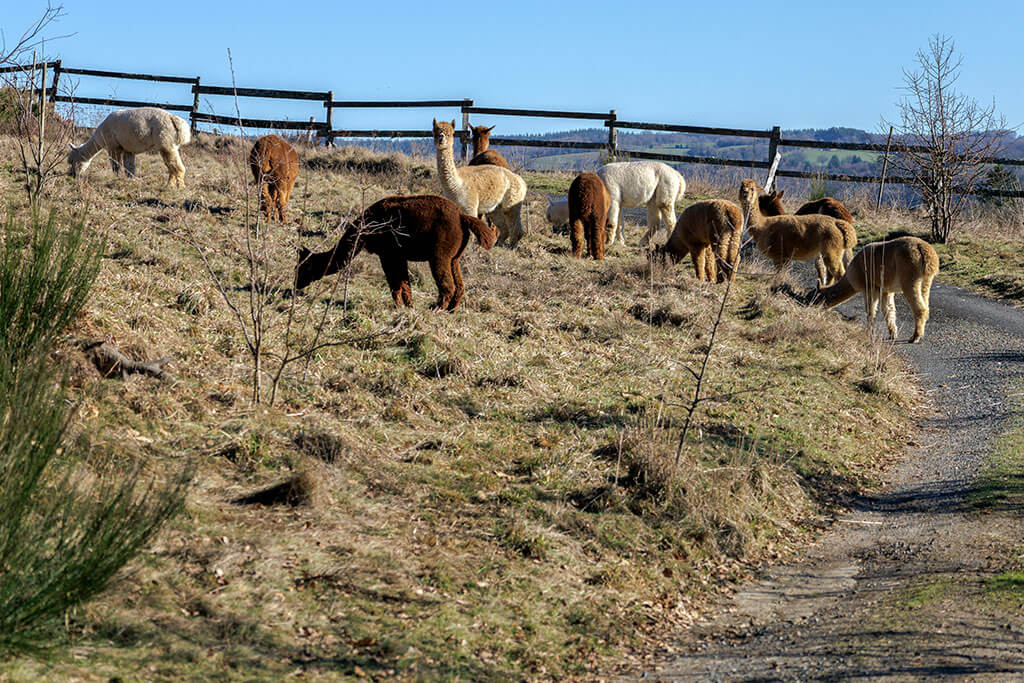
point(325, 129)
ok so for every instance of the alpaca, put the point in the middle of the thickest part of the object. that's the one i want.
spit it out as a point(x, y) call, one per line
point(771, 205)
point(652, 184)
point(482, 154)
point(557, 212)
point(399, 230)
point(127, 132)
point(905, 264)
point(710, 232)
point(588, 210)
point(481, 190)
point(787, 238)
point(274, 165)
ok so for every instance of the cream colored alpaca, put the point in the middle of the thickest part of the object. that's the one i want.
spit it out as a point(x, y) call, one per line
point(127, 132)
point(905, 264)
point(794, 238)
point(652, 184)
point(481, 190)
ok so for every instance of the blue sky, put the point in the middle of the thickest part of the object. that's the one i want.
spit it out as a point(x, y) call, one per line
point(737, 64)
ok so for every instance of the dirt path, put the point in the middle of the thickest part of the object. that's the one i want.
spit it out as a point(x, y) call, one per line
point(902, 587)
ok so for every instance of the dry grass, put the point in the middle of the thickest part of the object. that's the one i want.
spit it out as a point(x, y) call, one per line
point(478, 495)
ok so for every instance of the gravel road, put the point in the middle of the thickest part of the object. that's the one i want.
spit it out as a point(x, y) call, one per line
point(898, 589)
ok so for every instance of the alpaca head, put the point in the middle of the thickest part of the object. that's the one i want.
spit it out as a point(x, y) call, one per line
point(749, 192)
point(481, 136)
point(76, 165)
point(770, 204)
point(304, 270)
point(444, 134)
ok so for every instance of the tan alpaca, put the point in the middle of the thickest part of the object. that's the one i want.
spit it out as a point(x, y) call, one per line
point(771, 205)
point(794, 238)
point(710, 233)
point(481, 190)
point(905, 264)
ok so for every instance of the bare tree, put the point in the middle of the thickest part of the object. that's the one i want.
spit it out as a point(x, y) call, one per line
point(942, 135)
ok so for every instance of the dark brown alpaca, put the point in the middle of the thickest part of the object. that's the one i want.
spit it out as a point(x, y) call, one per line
point(275, 166)
point(771, 205)
point(481, 154)
point(588, 210)
point(399, 230)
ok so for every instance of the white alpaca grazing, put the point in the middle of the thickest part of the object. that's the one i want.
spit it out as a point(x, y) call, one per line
point(557, 212)
point(127, 132)
point(652, 184)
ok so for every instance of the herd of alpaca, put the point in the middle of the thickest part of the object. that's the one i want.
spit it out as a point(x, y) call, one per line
point(438, 229)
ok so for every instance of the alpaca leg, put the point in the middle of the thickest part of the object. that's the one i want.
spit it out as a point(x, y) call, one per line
point(834, 265)
point(116, 159)
point(710, 267)
point(870, 308)
point(514, 220)
point(613, 220)
point(175, 169)
point(918, 302)
point(396, 271)
point(890, 313)
point(668, 218)
point(460, 286)
point(441, 268)
point(596, 238)
point(576, 238)
point(819, 267)
point(653, 223)
point(698, 263)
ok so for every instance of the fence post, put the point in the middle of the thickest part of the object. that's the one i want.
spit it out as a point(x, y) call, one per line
point(885, 165)
point(613, 135)
point(466, 104)
point(195, 106)
point(328, 137)
point(56, 78)
point(773, 147)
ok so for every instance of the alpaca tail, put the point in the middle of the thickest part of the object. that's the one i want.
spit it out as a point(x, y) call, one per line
point(485, 234)
point(837, 293)
point(184, 135)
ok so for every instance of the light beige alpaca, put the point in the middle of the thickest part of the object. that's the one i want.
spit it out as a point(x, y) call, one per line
point(481, 190)
point(794, 238)
point(905, 264)
point(710, 232)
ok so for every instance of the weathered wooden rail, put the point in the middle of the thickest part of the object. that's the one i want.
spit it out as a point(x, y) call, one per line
point(325, 129)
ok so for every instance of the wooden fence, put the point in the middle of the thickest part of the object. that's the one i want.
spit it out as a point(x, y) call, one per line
point(324, 129)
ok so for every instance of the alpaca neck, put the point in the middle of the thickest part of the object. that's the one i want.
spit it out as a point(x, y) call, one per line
point(90, 148)
point(450, 179)
point(481, 145)
point(755, 219)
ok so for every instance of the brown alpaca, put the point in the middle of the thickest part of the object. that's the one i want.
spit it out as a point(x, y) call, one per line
point(710, 232)
point(794, 238)
point(905, 264)
point(482, 154)
point(771, 205)
point(274, 165)
point(588, 210)
point(399, 230)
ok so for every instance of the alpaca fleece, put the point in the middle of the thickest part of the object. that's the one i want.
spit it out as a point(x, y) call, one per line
point(905, 264)
point(479, 191)
point(794, 238)
point(588, 209)
point(710, 232)
point(275, 166)
point(652, 184)
point(402, 229)
point(127, 132)
point(771, 205)
point(482, 154)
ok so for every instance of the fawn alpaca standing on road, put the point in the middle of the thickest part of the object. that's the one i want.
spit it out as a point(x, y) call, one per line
point(771, 205)
point(905, 264)
point(652, 184)
point(588, 210)
point(127, 132)
point(482, 154)
point(710, 232)
point(481, 190)
point(275, 166)
point(399, 230)
point(794, 238)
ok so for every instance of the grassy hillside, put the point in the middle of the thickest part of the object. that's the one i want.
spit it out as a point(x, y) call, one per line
point(493, 493)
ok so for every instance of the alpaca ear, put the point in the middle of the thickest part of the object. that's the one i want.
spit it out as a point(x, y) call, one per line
point(453, 124)
point(489, 129)
point(70, 146)
point(781, 192)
